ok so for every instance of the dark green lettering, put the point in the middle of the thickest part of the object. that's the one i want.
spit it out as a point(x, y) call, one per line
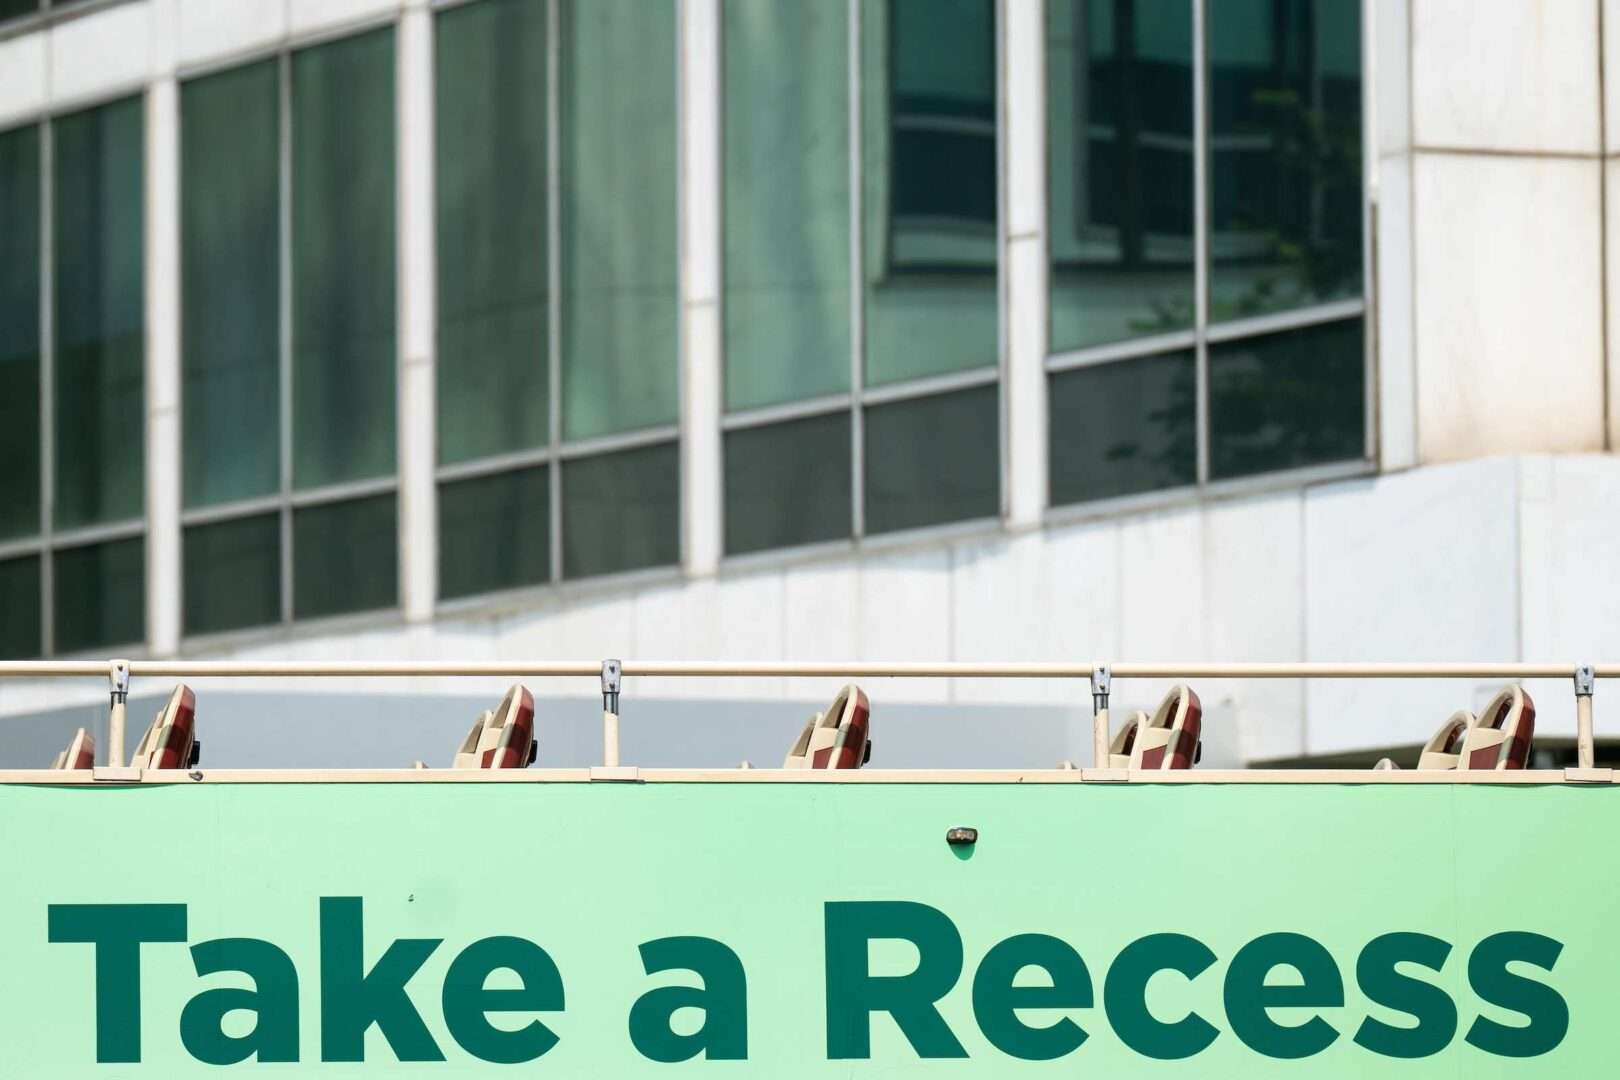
point(723, 999)
point(467, 1001)
point(853, 994)
point(117, 931)
point(1249, 998)
point(1382, 983)
point(352, 999)
point(1125, 996)
point(996, 1000)
point(1539, 1003)
point(273, 1001)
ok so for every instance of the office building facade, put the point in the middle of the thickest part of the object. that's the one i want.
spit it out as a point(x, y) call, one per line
point(815, 329)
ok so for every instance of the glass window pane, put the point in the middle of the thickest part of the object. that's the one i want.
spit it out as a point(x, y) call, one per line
point(1119, 169)
point(233, 574)
point(19, 333)
point(491, 183)
point(1285, 154)
point(343, 260)
point(928, 88)
point(786, 176)
point(19, 609)
point(99, 595)
point(788, 483)
point(621, 511)
point(495, 532)
point(11, 9)
point(620, 317)
point(100, 314)
point(933, 460)
point(230, 271)
point(1124, 427)
point(345, 557)
point(1287, 400)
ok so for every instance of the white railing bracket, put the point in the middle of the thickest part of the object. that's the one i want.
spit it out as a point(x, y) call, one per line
point(612, 679)
point(118, 685)
point(1102, 684)
point(1585, 684)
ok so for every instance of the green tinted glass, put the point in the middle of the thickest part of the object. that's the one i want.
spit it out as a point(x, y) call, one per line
point(1285, 154)
point(100, 307)
point(620, 312)
point(928, 108)
point(495, 532)
point(1119, 210)
point(621, 511)
point(343, 260)
point(345, 557)
point(19, 333)
point(491, 190)
point(99, 595)
point(230, 273)
point(1287, 400)
point(11, 9)
point(1123, 427)
point(933, 460)
point(788, 484)
point(19, 608)
point(786, 176)
point(233, 574)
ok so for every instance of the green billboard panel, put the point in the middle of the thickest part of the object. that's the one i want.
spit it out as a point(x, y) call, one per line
point(808, 929)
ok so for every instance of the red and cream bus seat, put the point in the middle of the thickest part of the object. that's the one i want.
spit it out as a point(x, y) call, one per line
point(1498, 738)
point(502, 737)
point(170, 741)
point(837, 738)
point(1172, 738)
point(1124, 744)
point(80, 754)
point(1501, 737)
point(1442, 750)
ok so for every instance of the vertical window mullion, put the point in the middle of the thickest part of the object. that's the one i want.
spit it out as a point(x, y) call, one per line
point(1371, 419)
point(857, 280)
point(1003, 353)
point(683, 504)
point(553, 112)
point(1200, 45)
point(285, 208)
point(47, 379)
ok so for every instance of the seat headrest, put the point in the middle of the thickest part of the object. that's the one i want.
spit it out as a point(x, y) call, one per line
point(467, 756)
point(1123, 747)
point(1444, 746)
point(1171, 738)
point(514, 720)
point(80, 754)
point(837, 738)
point(502, 737)
point(1502, 737)
point(170, 741)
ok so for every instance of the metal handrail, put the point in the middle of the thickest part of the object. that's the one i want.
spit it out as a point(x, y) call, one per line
point(853, 668)
point(120, 671)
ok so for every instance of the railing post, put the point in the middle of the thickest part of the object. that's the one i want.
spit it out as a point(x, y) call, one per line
point(118, 680)
point(1585, 683)
point(612, 670)
point(1101, 684)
